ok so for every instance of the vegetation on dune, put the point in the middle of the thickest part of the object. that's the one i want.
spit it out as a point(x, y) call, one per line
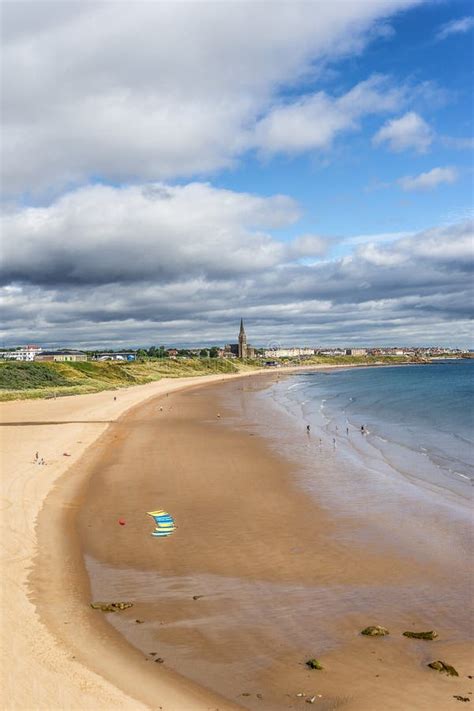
point(27, 376)
point(40, 380)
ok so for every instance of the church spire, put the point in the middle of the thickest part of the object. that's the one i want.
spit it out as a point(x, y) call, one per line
point(243, 350)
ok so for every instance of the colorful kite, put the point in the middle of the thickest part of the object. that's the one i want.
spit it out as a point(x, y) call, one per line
point(164, 523)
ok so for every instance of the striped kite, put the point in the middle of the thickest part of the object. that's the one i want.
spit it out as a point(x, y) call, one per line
point(164, 523)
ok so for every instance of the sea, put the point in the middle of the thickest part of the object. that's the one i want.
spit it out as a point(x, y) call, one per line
point(412, 423)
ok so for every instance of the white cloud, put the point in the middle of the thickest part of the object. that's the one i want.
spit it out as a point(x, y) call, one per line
point(313, 121)
point(456, 27)
point(429, 180)
point(408, 131)
point(373, 254)
point(102, 234)
point(154, 90)
point(308, 245)
point(375, 238)
point(448, 245)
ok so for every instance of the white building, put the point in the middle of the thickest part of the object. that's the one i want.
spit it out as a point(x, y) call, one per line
point(356, 351)
point(289, 352)
point(22, 353)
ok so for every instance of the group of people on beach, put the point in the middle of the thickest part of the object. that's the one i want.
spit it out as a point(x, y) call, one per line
point(362, 431)
point(39, 460)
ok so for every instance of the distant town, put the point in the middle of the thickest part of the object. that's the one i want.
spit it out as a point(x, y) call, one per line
point(240, 350)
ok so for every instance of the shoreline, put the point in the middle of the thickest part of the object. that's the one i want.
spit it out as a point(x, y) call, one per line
point(92, 682)
point(378, 449)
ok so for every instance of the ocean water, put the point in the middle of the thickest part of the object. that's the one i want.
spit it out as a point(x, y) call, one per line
point(418, 420)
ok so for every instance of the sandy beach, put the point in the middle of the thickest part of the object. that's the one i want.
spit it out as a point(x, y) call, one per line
point(41, 669)
point(233, 602)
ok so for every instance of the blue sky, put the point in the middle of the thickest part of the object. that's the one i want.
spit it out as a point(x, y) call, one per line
point(171, 167)
point(352, 189)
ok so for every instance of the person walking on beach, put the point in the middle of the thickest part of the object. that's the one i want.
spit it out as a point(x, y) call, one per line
point(37, 457)
point(362, 429)
point(308, 429)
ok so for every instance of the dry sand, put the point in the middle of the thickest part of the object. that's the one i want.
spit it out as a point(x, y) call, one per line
point(253, 545)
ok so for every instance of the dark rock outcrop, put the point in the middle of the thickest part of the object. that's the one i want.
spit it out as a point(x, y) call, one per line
point(375, 631)
point(314, 664)
point(421, 635)
point(443, 667)
point(111, 606)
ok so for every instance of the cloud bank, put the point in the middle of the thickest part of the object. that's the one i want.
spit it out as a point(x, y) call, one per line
point(183, 264)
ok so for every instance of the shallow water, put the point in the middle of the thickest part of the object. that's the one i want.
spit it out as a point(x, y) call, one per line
point(418, 419)
point(408, 499)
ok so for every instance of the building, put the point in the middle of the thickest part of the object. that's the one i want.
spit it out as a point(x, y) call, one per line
point(123, 356)
point(330, 352)
point(26, 353)
point(289, 352)
point(242, 349)
point(356, 351)
point(62, 356)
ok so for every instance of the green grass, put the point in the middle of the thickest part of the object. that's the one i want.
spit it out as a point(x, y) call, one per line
point(28, 376)
point(43, 380)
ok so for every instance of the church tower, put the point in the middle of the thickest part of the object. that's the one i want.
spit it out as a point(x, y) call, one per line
point(243, 352)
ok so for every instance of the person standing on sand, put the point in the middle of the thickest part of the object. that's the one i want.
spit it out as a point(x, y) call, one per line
point(36, 457)
point(308, 429)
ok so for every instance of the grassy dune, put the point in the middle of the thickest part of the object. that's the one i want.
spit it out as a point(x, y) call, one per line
point(43, 380)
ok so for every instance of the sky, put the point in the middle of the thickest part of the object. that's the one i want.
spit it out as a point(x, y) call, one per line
point(170, 167)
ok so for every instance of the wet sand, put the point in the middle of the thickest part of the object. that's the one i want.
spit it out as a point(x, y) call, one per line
point(277, 578)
